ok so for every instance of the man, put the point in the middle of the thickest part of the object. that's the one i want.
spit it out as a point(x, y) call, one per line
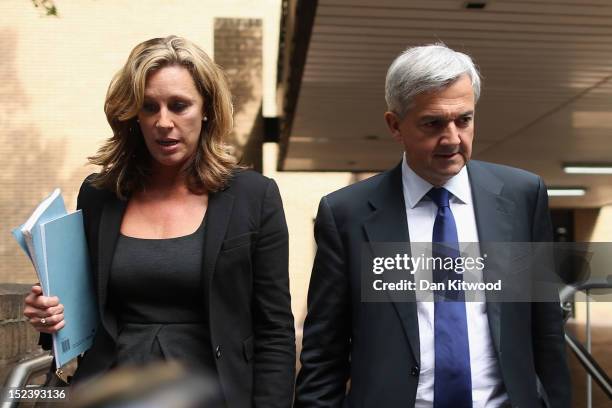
point(429, 354)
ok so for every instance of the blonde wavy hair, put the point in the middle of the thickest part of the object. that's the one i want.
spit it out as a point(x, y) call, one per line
point(124, 157)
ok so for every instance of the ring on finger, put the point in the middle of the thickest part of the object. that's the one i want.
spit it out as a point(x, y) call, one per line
point(43, 321)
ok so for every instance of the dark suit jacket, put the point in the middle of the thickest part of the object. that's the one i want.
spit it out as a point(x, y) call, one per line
point(376, 345)
point(245, 279)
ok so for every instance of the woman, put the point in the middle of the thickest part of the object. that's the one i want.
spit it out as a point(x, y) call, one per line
point(189, 251)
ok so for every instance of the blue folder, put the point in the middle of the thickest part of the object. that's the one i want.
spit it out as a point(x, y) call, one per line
point(50, 208)
point(69, 277)
point(56, 244)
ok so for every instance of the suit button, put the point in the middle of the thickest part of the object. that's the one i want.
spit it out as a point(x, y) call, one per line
point(415, 371)
point(218, 352)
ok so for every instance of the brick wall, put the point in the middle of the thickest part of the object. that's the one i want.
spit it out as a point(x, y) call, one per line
point(18, 340)
point(238, 49)
point(30, 163)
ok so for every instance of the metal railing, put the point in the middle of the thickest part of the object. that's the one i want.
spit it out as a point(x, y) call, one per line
point(21, 374)
point(589, 364)
point(582, 353)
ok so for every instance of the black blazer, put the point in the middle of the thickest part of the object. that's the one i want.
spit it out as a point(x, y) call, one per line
point(245, 279)
point(376, 345)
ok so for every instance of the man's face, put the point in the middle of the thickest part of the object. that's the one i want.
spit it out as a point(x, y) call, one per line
point(437, 131)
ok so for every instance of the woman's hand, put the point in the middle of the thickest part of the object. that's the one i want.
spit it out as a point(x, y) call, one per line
point(45, 313)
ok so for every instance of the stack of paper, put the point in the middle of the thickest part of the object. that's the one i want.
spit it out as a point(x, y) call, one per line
point(55, 243)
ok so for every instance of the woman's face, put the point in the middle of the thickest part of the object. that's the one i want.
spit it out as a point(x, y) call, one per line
point(171, 116)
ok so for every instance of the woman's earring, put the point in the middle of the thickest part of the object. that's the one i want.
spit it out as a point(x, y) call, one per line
point(205, 119)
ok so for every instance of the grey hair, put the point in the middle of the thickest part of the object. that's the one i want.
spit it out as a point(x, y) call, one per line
point(426, 68)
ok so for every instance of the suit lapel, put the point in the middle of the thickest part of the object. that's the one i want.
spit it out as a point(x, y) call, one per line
point(494, 215)
point(387, 223)
point(110, 224)
point(220, 205)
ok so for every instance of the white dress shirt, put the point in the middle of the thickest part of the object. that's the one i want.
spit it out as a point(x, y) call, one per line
point(487, 385)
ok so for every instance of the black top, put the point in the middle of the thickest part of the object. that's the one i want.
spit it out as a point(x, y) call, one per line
point(155, 293)
point(158, 280)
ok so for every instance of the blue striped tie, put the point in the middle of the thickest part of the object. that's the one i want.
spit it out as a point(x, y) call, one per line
point(452, 375)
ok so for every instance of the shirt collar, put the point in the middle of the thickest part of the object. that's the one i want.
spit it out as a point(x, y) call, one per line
point(416, 187)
